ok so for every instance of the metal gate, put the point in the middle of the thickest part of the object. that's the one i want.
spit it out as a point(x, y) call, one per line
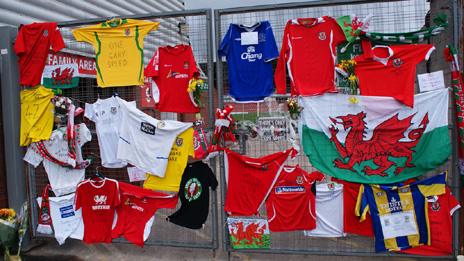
point(184, 27)
point(389, 16)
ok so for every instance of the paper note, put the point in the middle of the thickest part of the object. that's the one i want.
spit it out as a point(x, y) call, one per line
point(249, 38)
point(136, 174)
point(431, 81)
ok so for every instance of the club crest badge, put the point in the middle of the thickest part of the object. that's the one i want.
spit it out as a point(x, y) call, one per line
point(322, 36)
point(179, 142)
point(161, 124)
point(435, 206)
point(45, 33)
point(186, 65)
point(379, 194)
point(127, 32)
point(397, 62)
point(299, 180)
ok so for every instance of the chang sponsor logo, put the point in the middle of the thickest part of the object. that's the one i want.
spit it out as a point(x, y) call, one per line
point(251, 54)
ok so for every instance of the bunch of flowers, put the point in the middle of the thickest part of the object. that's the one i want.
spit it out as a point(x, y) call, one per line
point(195, 88)
point(293, 108)
point(346, 68)
point(12, 230)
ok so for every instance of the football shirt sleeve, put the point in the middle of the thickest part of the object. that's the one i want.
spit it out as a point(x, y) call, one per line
point(77, 198)
point(192, 63)
point(453, 203)
point(145, 27)
point(433, 186)
point(85, 34)
point(418, 52)
point(270, 46)
point(213, 183)
point(152, 69)
point(362, 206)
point(338, 34)
point(225, 44)
point(280, 75)
point(19, 46)
point(57, 40)
point(32, 157)
point(89, 112)
point(85, 135)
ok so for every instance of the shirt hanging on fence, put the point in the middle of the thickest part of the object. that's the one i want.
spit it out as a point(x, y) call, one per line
point(250, 180)
point(172, 67)
point(249, 51)
point(107, 116)
point(194, 196)
point(32, 46)
point(146, 142)
point(440, 210)
point(63, 180)
point(291, 204)
point(136, 213)
point(309, 52)
point(65, 220)
point(36, 115)
point(391, 70)
point(178, 157)
point(329, 211)
point(399, 214)
point(118, 45)
point(97, 199)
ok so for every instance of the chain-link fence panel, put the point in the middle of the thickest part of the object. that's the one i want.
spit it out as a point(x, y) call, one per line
point(193, 28)
point(253, 119)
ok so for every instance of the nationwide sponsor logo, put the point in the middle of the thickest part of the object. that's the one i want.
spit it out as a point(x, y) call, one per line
point(251, 54)
point(147, 128)
point(289, 189)
point(177, 75)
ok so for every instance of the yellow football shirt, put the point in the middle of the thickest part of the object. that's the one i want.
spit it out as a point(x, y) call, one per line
point(37, 113)
point(178, 157)
point(118, 45)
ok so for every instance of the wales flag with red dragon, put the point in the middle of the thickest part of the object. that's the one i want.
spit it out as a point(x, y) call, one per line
point(375, 140)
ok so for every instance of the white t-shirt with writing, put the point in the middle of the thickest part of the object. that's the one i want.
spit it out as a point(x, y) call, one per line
point(107, 116)
point(66, 221)
point(329, 211)
point(146, 142)
point(63, 180)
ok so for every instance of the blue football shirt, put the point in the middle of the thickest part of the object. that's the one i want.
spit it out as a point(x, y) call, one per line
point(250, 71)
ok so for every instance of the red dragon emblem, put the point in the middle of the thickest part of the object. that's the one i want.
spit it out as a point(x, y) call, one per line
point(355, 25)
point(386, 142)
point(251, 233)
point(62, 77)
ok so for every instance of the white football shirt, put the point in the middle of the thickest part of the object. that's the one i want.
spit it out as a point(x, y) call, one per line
point(107, 116)
point(146, 142)
point(329, 211)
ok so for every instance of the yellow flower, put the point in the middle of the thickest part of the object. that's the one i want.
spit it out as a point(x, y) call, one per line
point(353, 100)
point(192, 86)
point(352, 78)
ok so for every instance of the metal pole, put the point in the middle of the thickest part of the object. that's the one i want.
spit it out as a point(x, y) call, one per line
point(9, 71)
point(456, 177)
point(212, 162)
point(219, 85)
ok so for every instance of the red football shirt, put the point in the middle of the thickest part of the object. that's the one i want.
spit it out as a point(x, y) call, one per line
point(98, 200)
point(32, 46)
point(250, 180)
point(291, 204)
point(391, 70)
point(440, 211)
point(351, 223)
point(309, 51)
point(172, 67)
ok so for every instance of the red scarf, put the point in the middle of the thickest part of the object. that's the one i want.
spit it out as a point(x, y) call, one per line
point(45, 220)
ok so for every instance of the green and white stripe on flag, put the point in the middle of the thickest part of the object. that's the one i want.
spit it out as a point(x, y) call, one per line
point(61, 76)
point(375, 140)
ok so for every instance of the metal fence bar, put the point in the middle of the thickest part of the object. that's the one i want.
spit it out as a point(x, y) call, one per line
point(253, 13)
